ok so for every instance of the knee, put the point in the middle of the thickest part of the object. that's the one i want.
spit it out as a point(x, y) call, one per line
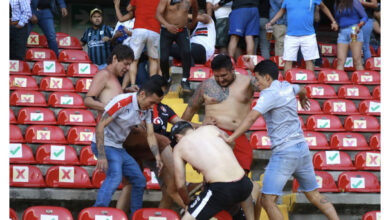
point(139, 181)
point(267, 201)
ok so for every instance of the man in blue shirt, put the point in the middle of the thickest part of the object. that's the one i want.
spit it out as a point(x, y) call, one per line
point(20, 14)
point(290, 152)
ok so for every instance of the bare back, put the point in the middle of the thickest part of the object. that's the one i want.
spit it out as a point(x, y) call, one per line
point(177, 14)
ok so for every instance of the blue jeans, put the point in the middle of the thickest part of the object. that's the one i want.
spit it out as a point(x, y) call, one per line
point(367, 29)
point(120, 162)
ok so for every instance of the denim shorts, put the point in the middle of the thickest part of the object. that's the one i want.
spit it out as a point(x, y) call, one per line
point(345, 35)
point(290, 161)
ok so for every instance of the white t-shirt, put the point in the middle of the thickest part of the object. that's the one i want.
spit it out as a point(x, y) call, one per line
point(221, 12)
point(129, 25)
point(204, 34)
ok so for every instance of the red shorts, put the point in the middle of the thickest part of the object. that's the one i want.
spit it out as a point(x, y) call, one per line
point(242, 150)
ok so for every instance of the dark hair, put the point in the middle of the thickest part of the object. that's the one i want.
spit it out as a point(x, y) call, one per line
point(159, 80)
point(122, 52)
point(151, 87)
point(179, 128)
point(342, 5)
point(267, 67)
point(221, 61)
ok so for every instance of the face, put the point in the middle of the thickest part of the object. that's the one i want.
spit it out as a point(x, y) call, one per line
point(224, 77)
point(263, 81)
point(96, 19)
point(146, 102)
point(121, 67)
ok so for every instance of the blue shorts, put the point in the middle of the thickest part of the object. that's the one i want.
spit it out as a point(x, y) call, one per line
point(244, 22)
point(291, 161)
point(345, 35)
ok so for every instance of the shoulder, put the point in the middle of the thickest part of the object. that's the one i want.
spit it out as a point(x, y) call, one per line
point(118, 102)
point(102, 75)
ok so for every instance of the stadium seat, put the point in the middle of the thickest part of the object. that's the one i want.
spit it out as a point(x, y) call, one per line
point(27, 98)
point(368, 160)
point(259, 125)
point(366, 77)
point(255, 58)
point(260, 140)
point(362, 123)
point(76, 117)
point(73, 56)
point(348, 66)
point(98, 179)
point(208, 63)
point(36, 115)
point(56, 84)
point(69, 42)
point(18, 67)
point(25, 176)
point(325, 64)
point(328, 50)
point(340, 107)
point(155, 213)
point(200, 73)
point(151, 179)
point(87, 157)
point(80, 135)
point(372, 51)
point(103, 213)
point(48, 68)
point(65, 100)
point(82, 70)
point(222, 215)
point(47, 213)
point(19, 82)
point(376, 94)
point(82, 85)
point(332, 76)
point(375, 141)
point(358, 181)
point(332, 160)
point(325, 182)
point(370, 107)
point(12, 118)
point(21, 154)
point(348, 141)
point(316, 140)
point(36, 40)
point(372, 215)
point(67, 177)
point(303, 126)
point(15, 134)
point(40, 54)
point(324, 123)
point(56, 154)
point(314, 108)
point(241, 71)
point(296, 75)
point(45, 134)
point(61, 34)
point(176, 62)
point(279, 61)
point(320, 91)
point(12, 214)
point(373, 63)
point(378, 53)
point(193, 176)
point(354, 92)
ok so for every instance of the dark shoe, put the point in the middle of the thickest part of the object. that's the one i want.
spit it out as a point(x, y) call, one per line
point(186, 86)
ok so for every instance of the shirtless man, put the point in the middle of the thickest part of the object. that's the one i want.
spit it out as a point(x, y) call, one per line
point(173, 17)
point(226, 183)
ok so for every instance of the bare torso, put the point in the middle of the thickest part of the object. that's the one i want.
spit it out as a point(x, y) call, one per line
point(177, 14)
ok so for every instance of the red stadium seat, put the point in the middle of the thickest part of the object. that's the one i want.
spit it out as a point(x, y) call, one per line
point(66, 100)
point(82, 85)
point(94, 213)
point(348, 66)
point(370, 107)
point(279, 61)
point(80, 135)
point(368, 160)
point(331, 76)
point(61, 34)
point(87, 157)
point(27, 98)
point(200, 73)
point(375, 141)
point(373, 63)
point(73, 56)
point(68, 42)
point(316, 140)
point(328, 50)
point(314, 108)
point(373, 215)
point(36, 40)
point(320, 91)
point(82, 70)
point(45, 134)
point(39, 54)
point(12, 214)
point(15, 134)
point(48, 68)
point(12, 118)
point(354, 92)
point(241, 71)
point(303, 126)
point(260, 140)
point(176, 63)
point(325, 182)
point(378, 53)
point(47, 212)
point(36, 115)
point(67, 177)
point(157, 213)
point(151, 180)
point(208, 63)
point(255, 58)
point(358, 181)
point(340, 107)
point(25, 176)
point(332, 160)
point(324, 123)
point(362, 123)
point(56, 84)
point(18, 67)
point(372, 51)
point(348, 141)
point(76, 117)
point(366, 77)
point(376, 94)
point(258, 125)
point(296, 75)
point(21, 154)
point(325, 64)
point(20, 82)
point(98, 179)
point(56, 154)
point(222, 215)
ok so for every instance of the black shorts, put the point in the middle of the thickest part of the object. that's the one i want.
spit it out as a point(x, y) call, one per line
point(219, 196)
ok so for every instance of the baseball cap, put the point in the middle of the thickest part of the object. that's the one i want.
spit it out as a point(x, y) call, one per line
point(177, 128)
point(95, 10)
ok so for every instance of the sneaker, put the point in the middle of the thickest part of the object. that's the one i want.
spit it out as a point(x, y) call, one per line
point(186, 86)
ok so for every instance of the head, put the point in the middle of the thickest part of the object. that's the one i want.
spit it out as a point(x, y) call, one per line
point(160, 81)
point(149, 94)
point(266, 72)
point(223, 70)
point(121, 58)
point(96, 17)
point(179, 130)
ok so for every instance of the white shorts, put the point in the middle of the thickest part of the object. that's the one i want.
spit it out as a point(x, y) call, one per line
point(308, 46)
point(140, 37)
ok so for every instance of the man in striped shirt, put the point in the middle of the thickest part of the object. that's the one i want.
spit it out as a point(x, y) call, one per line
point(21, 13)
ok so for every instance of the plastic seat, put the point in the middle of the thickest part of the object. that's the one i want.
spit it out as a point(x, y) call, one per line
point(368, 160)
point(21, 154)
point(193, 176)
point(48, 68)
point(373, 215)
point(45, 134)
point(329, 50)
point(36, 40)
point(255, 58)
point(20, 82)
point(177, 62)
point(303, 125)
point(296, 75)
point(375, 141)
point(36, 115)
point(56, 154)
point(68, 42)
point(12, 118)
point(358, 181)
point(373, 63)
point(376, 93)
point(56, 84)
point(320, 91)
point(348, 141)
point(27, 98)
point(259, 125)
point(340, 107)
point(87, 157)
point(25, 176)
point(200, 73)
point(50, 212)
point(12, 214)
point(279, 61)
point(324, 123)
point(61, 34)
point(372, 51)
point(18, 67)
point(157, 213)
point(94, 213)
point(98, 179)
point(241, 71)
point(76, 117)
point(325, 64)
point(67, 177)
point(82, 85)
point(65, 100)
point(82, 70)
point(208, 63)
point(325, 182)
point(316, 140)
point(348, 66)
point(378, 52)
point(332, 160)
point(365, 77)
point(314, 108)
point(354, 92)
point(151, 180)
point(222, 215)
point(260, 140)
point(73, 56)
point(80, 135)
point(15, 134)
point(40, 54)
point(362, 123)
point(332, 76)
point(370, 107)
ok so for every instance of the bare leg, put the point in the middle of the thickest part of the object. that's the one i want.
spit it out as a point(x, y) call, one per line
point(309, 65)
point(269, 204)
point(250, 45)
point(256, 196)
point(342, 52)
point(322, 203)
point(187, 216)
point(233, 44)
point(247, 206)
point(153, 66)
point(123, 202)
point(287, 66)
point(356, 50)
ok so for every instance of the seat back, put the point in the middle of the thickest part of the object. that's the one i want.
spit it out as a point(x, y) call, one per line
point(48, 68)
point(279, 61)
point(348, 65)
point(260, 140)
point(366, 77)
point(95, 213)
point(56, 84)
point(45, 134)
point(67, 177)
point(362, 123)
point(12, 214)
point(373, 63)
point(68, 42)
point(241, 71)
point(375, 141)
point(259, 124)
point(368, 160)
point(373, 215)
point(76, 117)
point(328, 50)
point(255, 58)
point(340, 107)
point(15, 134)
point(22, 82)
point(296, 75)
point(82, 70)
point(222, 215)
point(87, 157)
point(73, 56)
point(314, 108)
point(157, 213)
point(376, 94)
point(25, 176)
point(320, 91)
point(354, 92)
point(82, 85)
point(36, 115)
point(151, 180)
point(324, 180)
point(332, 160)
point(56, 154)
point(324, 123)
point(27, 98)
point(36, 40)
point(200, 73)
point(47, 212)
point(80, 135)
point(208, 63)
point(18, 67)
point(332, 76)
point(21, 154)
point(40, 54)
point(348, 141)
point(12, 118)
point(66, 100)
point(98, 179)
point(316, 140)
point(358, 181)
point(370, 107)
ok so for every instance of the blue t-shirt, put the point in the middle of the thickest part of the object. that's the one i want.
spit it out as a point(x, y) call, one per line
point(300, 16)
point(352, 16)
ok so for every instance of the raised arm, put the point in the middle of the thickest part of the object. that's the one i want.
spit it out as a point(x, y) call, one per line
point(334, 25)
point(194, 103)
point(91, 98)
point(102, 163)
point(180, 175)
point(118, 12)
point(152, 141)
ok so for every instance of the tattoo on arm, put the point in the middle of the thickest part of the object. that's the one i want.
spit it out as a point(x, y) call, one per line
point(100, 137)
point(197, 98)
point(215, 91)
point(154, 149)
point(253, 83)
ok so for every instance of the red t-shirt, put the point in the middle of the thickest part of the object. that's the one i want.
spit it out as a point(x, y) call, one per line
point(145, 14)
